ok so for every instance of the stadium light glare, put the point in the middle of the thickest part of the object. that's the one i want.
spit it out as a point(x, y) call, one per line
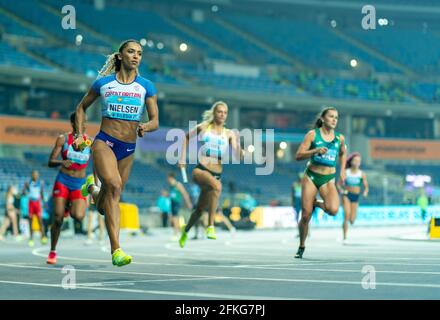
point(280, 154)
point(251, 148)
point(333, 23)
point(183, 47)
point(283, 145)
point(78, 39)
point(160, 45)
point(353, 63)
point(150, 43)
point(214, 8)
point(143, 42)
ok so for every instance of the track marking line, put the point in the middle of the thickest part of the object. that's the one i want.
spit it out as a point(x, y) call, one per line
point(283, 280)
point(156, 292)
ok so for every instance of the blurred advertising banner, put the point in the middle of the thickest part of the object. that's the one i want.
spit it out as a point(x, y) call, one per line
point(378, 216)
point(38, 132)
point(382, 149)
point(284, 217)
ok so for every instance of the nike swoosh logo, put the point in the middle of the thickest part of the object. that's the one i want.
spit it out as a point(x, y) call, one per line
point(130, 150)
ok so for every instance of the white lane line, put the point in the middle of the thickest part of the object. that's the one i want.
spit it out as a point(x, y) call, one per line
point(282, 280)
point(114, 272)
point(253, 253)
point(133, 282)
point(363, 262)
point(156, 292)
point(343, 270)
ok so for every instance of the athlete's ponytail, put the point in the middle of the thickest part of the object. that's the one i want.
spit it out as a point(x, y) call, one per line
point(109, 66)
point(208, 115)
point(113, 64)
point(350, 158)
point(318, 121)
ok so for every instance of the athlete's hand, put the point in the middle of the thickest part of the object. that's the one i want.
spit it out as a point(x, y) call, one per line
point(342, 176)
point(142, 127)
point(66, 163)
point(181, 165)
point(77, 142)
point(322, 150)
point(365, 193)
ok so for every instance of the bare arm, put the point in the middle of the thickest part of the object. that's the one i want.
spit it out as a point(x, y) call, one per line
point(365, 182)
point(303, 151)
point(80, 118)
point(191, 134)
point(153, 117)
point(53, 161)
point(234, 140)
point(342, 158)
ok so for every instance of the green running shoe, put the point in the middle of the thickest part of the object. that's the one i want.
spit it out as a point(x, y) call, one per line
point(183, 237)
point(119, 258)
point(85, 187)
point(210, 233)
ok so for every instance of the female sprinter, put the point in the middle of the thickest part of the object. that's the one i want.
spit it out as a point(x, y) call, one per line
point(124, 94)
point(351, 189)
point(10, 214)
point(207, 174)
point(67, 187)
point(322, 145)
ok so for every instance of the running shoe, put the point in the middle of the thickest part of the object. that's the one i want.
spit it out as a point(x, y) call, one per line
point(44, 240)
point(300, 252)
point(210, 233)
point(85, 187)
point(31, 243)
point(183, 237)
point(119, 258)
point(52, 258)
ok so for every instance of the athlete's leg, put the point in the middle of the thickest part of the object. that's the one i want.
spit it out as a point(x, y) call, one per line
point(176, 224)
point(214, 196)
point(330, 195)
point(4, 227)
point(58, 217)
point(78, 209)
point(41, 223)
point(107, 201)
point(101, 227)
point(201, 205)
point(31, 232)
point(347, 215)
point(354, 209)
point(12, 214)
point(308, 195)
point(89, 225)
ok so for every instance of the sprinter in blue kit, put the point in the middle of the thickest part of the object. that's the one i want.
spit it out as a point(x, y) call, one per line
point(124, 95)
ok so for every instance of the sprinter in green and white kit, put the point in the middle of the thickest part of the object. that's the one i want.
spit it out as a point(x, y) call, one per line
point(324, 147)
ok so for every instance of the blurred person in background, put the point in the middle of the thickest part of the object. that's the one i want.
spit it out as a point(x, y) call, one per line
point(67, 188)
point(296, 197)
point(11, 214)
point(125, 95)
point(35, 191)
point(351, 190)
point(423, 203)
point(92, 213)
point(322, 145)
point(177, 193)
point(164, 205)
